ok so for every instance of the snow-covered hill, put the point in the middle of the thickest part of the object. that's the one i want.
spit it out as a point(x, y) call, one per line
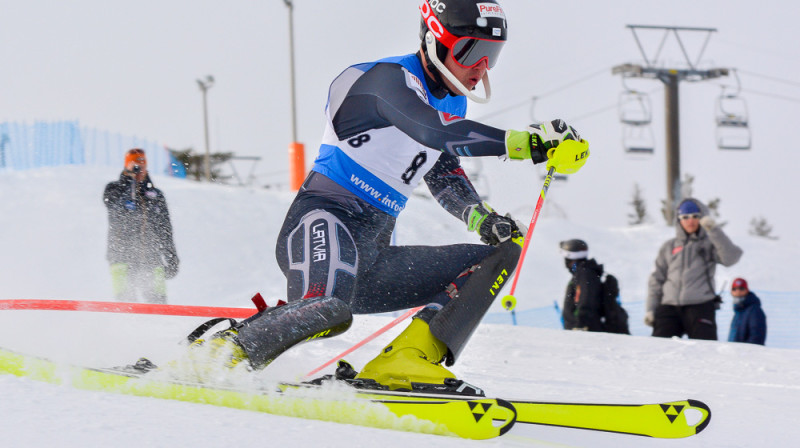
point(52, 243)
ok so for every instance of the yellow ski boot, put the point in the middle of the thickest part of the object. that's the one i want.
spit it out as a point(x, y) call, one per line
point(414, 356)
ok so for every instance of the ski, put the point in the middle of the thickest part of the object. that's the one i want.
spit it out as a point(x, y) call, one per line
point(669, 420)
point(445, 413)
point(478, 418)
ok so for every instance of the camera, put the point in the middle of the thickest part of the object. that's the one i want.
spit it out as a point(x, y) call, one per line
point(137, 169)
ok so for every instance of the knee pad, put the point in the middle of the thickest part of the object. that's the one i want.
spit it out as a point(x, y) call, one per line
point(323, 259)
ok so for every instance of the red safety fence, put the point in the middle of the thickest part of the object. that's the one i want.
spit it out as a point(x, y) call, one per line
point(123, 307)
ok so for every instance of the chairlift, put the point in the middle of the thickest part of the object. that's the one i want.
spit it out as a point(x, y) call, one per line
point(638, 139)
point(733, 137)
point(635, 108)
point(732, 119)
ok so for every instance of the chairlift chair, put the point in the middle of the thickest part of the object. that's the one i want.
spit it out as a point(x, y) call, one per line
point(638, 139)
point(736, 137)
point(732, 119)
point(733, 130)
point(635, 108)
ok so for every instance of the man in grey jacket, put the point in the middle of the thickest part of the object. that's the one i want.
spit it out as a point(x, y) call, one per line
point(681, 297)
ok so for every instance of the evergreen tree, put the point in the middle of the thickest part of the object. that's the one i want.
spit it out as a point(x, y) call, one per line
point(639, 215)
point(760, 227)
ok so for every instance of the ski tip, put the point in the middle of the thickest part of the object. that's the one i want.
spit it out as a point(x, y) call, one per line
point(511, 415)
point(697, 404)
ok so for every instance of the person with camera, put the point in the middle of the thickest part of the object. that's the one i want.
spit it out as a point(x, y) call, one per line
point(681, 298)
point(141, 251)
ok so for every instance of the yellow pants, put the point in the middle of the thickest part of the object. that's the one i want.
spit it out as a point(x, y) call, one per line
point(133, 284)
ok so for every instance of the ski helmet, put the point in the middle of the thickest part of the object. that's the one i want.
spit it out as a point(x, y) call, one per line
point(469, 31)
point(574, 249)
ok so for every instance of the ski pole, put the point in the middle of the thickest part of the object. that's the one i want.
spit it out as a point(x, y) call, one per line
point(509, 301)
point(367, 339)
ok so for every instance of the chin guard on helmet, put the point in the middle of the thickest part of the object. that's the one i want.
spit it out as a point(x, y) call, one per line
point(430, 43)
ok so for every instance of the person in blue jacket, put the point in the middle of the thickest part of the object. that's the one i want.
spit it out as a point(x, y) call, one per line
point(749, 322)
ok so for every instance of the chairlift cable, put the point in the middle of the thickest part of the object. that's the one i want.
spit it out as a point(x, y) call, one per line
point(772, 95)
point(771, 78)
point(603, 109)
point(546, 94)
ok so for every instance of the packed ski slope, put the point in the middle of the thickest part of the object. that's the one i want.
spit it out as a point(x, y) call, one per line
point(52, 243)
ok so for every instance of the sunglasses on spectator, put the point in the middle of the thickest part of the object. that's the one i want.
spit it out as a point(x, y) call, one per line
point(690, 215)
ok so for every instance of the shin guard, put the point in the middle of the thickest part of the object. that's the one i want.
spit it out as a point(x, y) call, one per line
point(455, 323)
point(265, 336)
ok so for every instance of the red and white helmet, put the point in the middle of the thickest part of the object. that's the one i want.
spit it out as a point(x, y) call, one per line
point(468, 31)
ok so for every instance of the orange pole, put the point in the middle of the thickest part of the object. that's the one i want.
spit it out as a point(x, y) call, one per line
point(297, 165)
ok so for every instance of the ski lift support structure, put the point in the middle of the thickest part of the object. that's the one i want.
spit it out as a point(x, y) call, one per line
point(671, 77)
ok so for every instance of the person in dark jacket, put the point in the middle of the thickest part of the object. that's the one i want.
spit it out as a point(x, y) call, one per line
point(583, 302)
point(141, 251)
point(749, 322)
point(681, 299)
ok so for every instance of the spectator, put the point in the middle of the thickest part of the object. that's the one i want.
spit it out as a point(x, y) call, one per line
point(140, 247)
point(589, 303)
point(583, 299)
point(749, 322)
point(681, 298)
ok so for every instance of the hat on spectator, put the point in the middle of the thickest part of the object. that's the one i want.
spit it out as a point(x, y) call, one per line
point(688, 207)
point(740, 283)
point(135, 157)
point(574, 249)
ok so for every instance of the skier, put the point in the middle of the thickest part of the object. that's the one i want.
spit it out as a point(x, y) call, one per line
point(681, 298)
point(749, 323)
point(391, 124)
point(141, 251)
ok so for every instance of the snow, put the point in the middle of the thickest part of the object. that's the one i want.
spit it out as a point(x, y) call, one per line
point(52, 235)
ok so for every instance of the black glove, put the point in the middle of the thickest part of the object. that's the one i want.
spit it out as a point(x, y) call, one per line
point(493, 228)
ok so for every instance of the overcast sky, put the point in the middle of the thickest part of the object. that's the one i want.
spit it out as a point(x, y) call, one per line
point(131, 67)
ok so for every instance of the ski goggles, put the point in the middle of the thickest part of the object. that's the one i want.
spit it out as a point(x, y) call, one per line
point(689, 216)
point(470, 51)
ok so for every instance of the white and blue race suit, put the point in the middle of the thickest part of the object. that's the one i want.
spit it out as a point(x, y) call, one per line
point(389, 126)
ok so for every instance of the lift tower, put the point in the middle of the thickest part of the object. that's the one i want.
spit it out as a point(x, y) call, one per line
point(670, 77)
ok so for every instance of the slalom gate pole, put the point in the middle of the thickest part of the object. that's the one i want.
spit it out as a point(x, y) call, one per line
point(367, 339)
point(510, 299)
point(122, 307)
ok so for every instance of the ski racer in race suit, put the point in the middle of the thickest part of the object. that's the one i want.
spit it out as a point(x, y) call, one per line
point(391, 124)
